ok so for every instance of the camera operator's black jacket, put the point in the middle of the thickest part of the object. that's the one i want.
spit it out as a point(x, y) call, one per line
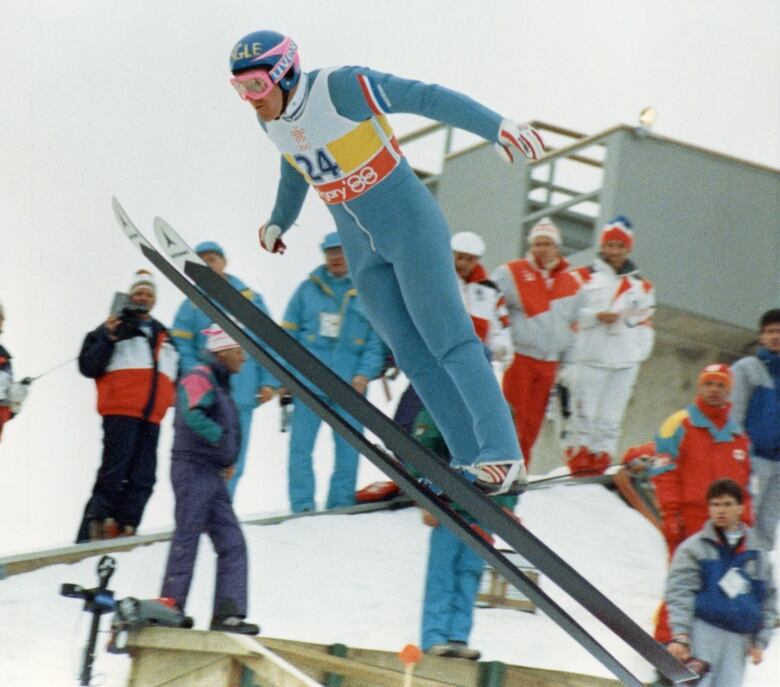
point(136, 375)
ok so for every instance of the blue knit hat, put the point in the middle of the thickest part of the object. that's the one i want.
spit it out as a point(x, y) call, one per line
point(332, 240)
point(209, 247)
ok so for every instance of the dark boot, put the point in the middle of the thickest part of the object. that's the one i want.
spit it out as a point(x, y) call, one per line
point(234, 623)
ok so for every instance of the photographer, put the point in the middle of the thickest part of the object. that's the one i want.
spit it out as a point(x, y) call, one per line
point(133, 362)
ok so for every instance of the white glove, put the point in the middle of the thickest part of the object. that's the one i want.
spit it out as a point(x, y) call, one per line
point(270, 238)
point(5, 385)
point(17, 392)
point(503, 355)
point(513, 137)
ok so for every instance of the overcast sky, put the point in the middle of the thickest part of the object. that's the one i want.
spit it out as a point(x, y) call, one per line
point(102, 98)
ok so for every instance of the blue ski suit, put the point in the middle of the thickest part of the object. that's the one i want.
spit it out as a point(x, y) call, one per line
point(454, 570)
point(334, 135)
point(191, 342)
point(326, 317)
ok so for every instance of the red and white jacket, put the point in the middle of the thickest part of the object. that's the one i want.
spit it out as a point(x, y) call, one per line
point(485, 304)
point(135, 377)
point(543, 305)
point(629, 340)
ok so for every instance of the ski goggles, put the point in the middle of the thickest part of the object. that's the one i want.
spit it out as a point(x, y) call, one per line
point(253, 85)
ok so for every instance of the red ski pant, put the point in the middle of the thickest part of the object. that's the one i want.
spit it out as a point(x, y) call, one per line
point(527, 383)
point(693, 519)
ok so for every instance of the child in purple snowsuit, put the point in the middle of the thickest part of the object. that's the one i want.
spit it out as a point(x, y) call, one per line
point(205, 449)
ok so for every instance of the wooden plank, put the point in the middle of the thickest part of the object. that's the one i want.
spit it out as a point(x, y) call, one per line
point(352, 669)
point(155, 668)
point(272, 674)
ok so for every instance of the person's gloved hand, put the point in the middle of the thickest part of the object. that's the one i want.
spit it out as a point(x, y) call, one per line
point(270, 238)
point(17, 392)
point(513, 137)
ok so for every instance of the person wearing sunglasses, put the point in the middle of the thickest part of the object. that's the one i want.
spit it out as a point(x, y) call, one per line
point(331, 127)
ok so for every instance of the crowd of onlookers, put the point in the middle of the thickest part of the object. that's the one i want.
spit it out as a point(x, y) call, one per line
point(714, 465)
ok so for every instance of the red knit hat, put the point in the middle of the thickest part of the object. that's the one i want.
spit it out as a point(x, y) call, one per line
point(717, 371)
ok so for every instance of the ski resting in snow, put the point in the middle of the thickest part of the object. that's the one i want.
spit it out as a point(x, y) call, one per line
point(301, 373)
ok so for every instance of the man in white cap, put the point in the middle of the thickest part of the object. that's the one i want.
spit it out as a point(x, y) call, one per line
point(483, 299)
point(12, 394)
point(133, 361)
point(543, 299)
point(206, 446)
point(614, 336)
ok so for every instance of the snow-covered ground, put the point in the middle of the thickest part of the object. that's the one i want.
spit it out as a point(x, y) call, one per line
point(358, 580)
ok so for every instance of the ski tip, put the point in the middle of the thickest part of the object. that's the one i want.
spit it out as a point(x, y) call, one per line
point(174, 245)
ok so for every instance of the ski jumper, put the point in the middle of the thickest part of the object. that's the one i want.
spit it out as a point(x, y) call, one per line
point(325, 316)
point(543, 306)
point(188, 326)
point(485, 305)
point(206, 441)
point(607, 356)
point(334, 135)
point(756, 408)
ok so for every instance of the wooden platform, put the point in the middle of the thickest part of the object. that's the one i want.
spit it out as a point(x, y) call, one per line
point(193, 658)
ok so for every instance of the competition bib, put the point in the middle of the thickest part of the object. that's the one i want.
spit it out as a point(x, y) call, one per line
point(330, 324)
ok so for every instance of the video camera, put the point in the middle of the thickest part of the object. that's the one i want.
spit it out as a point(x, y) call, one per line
point(128, 613)
point(129, 313)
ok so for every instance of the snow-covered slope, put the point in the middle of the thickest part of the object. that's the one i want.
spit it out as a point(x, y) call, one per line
point(358, 580)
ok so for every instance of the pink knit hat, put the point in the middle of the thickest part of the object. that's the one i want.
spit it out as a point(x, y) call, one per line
point(217, 339)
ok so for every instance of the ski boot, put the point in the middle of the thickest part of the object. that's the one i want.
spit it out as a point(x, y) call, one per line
point(498, 477)
point(454, 649)
point(235, 624)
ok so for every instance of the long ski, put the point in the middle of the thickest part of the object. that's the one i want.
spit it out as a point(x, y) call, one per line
point(490, 515)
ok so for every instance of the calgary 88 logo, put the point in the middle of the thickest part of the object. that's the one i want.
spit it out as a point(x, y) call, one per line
point(317, 168)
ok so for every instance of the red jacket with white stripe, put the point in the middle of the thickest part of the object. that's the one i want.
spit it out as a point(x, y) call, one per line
point(485, 304)
point(135, 377)
point(542, 304)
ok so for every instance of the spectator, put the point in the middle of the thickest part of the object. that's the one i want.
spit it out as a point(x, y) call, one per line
point(325, 315)
point(756, 407)
point(253, 385)
point(485, 305)
point(12, 394)
point(694, 447)
point(614, 336)
point(133, 362)
point(720, 592)
point(206, 446)
point(543, 300)
point(334, 135)
point(453, 571)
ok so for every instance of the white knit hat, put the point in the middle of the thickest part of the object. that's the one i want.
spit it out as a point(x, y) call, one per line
point(468, 242)
point(545, 228)
point(142, 278)
point(217, 339)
